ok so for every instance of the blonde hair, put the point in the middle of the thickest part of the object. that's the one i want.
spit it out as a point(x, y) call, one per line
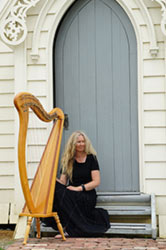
point(67, 159)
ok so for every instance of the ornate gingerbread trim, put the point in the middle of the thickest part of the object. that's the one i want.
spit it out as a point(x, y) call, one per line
point(13, 29)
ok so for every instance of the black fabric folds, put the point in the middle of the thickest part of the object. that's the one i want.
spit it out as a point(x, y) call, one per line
point(77, 212)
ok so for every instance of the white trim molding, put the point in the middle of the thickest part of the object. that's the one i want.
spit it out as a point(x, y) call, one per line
point(37, 29)
point(163, 20)
point(13, 29)
point(146, 16)
point(153, 39)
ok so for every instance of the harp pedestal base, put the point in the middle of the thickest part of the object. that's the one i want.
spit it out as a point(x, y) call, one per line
point(38, 216)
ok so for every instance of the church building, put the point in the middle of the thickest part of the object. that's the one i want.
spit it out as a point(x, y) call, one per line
point(103, 62)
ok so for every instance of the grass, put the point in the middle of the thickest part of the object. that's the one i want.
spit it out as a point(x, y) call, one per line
point(6, 238)
point(5, 243)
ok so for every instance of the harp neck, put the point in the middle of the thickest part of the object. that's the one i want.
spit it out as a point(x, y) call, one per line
point(23, 101)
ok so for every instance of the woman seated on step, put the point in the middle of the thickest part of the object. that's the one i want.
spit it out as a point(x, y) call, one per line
point(75, 194)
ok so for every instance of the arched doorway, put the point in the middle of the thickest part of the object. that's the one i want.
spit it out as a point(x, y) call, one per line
point(95, 67)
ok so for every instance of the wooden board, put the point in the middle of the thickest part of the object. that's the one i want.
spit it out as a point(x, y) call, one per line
point(4, 213)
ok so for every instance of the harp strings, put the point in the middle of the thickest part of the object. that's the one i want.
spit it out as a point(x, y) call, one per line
point(36, 140)
point(39, 133)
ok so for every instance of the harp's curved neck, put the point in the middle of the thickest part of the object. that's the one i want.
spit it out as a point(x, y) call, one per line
point(23, 101)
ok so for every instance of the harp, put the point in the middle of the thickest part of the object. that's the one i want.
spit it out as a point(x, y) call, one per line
point(39, 198)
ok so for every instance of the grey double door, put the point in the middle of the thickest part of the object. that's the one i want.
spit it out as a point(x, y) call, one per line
point(95, 67)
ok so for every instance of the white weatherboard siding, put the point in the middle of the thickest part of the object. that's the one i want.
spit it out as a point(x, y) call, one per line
point(155, 121)
point(7, 141)
point(35, 76)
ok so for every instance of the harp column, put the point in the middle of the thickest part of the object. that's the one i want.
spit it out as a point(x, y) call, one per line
point(21, 85)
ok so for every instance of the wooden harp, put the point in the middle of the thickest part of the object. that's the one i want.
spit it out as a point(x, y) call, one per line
point(39, 198)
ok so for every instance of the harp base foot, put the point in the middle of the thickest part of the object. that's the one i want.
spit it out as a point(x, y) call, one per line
point(59, 226)
point(27, 230)
point(38, 216)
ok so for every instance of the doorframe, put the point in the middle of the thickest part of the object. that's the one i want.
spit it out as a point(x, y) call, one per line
point(51, 35)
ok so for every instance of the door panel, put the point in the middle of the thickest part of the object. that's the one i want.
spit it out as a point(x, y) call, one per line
point(96, 85)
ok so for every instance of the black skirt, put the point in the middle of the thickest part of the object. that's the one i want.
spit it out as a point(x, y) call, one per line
point(77, 212)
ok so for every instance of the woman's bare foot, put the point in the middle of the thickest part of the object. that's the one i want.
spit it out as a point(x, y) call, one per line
point(59, 236)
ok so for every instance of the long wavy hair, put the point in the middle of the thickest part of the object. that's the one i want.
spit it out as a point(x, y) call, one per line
point(68, 155)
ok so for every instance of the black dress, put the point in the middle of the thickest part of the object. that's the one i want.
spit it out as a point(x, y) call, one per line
point(76, 210)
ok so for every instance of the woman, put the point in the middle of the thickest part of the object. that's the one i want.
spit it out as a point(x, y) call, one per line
point(75, 195)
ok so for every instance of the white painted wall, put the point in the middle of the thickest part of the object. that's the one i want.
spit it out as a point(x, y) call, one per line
point(19, 71)
point(7, 136)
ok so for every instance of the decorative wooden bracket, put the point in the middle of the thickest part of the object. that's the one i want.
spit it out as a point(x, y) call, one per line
point(14, 29)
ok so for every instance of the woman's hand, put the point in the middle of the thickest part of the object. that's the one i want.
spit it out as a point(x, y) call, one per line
point(63, 179)
point(72, 188)
point(95, 174)
point(58, 180)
